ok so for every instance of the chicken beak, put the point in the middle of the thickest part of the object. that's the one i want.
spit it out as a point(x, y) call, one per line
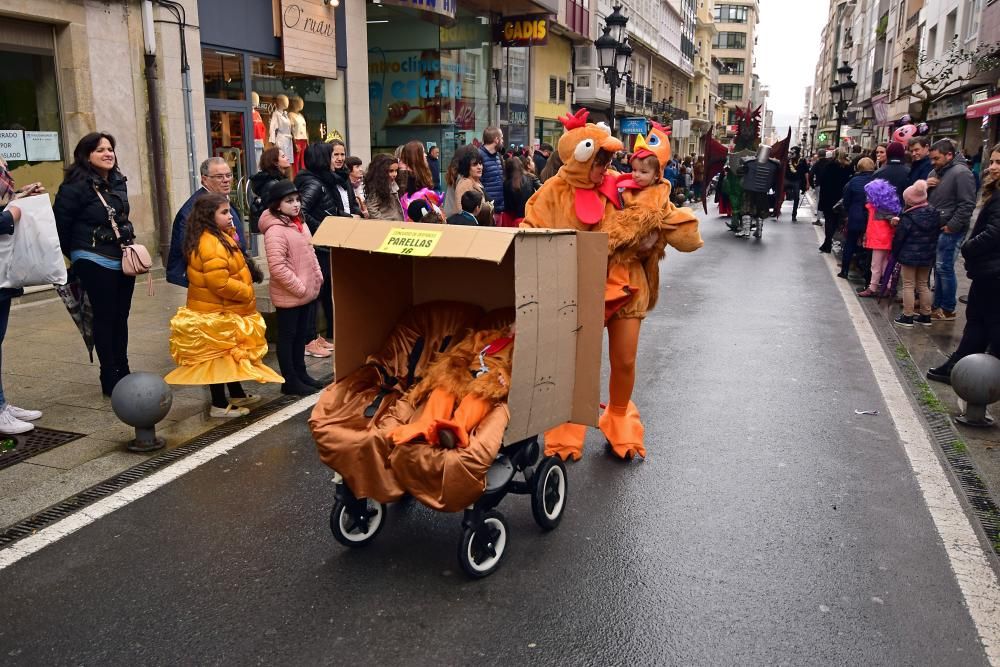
point(610, 143)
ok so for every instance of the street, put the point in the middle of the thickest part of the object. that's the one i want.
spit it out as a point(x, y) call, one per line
point(770, 524)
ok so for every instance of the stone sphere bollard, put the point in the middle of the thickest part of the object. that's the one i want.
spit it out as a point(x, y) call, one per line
point(976, 378)
point(142, 400)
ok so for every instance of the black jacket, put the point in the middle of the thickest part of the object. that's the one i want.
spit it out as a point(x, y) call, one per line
point(855, 199)
point(516, 199)
point(342, 178)
point(319, 197)
point(540, 161)
point(435, 165)
point(462, 218)
point(982, 250)
point(82, 220)
point(916, 238)
point(831, 184)
point(896, 173)
point(920, 170)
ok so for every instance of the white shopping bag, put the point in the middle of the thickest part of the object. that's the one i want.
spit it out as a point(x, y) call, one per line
point(31, 255)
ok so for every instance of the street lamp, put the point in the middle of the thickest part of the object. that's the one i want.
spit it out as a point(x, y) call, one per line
point(842, 93)
point(613, 54)
point(813, 124)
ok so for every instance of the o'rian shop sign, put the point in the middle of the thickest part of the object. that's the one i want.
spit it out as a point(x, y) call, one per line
point(308, 38)
point(445, 8)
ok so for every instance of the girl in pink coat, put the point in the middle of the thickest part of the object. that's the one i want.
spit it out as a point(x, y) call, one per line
point(295, 281)
point(883, 204)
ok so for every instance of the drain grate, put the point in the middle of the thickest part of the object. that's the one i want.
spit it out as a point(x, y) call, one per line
point(89, 496)
point(17, 448)
point(942, 432)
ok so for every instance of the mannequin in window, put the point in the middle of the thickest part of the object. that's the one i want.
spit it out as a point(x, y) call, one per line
point(259, 130)
point(300, 134)
point(281, 126)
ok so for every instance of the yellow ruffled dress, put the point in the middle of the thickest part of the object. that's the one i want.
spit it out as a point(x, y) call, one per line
point(218, 336)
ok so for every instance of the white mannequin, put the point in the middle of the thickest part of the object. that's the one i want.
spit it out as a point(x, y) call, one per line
point(281, 126)
point(299, 130)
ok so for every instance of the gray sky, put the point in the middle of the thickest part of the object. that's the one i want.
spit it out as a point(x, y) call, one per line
point(787, 51)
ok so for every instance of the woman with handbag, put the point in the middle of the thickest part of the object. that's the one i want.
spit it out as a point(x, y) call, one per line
point(91, 211)
point(13, 420)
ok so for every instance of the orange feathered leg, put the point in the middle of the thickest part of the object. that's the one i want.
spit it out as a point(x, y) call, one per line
point(620, 422)
point(439, 405)
point(470, 412)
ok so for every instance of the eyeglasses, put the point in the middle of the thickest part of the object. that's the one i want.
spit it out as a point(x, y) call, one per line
point(222, 177)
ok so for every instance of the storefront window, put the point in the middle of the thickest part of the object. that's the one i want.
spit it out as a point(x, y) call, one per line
point(30, 132)
point(313, 108)
point(223, 74)
point(427, 82)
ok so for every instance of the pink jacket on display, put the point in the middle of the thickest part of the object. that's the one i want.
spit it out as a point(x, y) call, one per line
point(291, 260)
point(879, 233)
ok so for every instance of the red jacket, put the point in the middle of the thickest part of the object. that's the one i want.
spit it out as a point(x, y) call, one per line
point(879, 233)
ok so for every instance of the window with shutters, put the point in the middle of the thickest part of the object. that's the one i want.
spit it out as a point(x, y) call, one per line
point(562, 91)
point(552, 89)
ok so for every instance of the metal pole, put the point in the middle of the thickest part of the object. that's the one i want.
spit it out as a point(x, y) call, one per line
point(612, 76)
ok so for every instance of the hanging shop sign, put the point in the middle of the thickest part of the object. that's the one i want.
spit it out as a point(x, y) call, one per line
point(308, 38)
point(529, 30)
point(633, 125)
point(445, 8)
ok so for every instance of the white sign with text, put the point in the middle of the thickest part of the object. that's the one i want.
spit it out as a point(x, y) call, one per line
point(12, 145)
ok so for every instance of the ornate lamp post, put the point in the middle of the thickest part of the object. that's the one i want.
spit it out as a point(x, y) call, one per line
point(813, 124)
point(613, 55)
point(843, 94)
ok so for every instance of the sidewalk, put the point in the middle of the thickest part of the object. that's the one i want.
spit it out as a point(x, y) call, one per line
point(46, 367)
point(931, 346)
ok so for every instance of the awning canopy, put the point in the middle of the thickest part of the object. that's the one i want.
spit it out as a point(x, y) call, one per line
point(985, 108)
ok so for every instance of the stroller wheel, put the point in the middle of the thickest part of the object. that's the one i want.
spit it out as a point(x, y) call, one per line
point(482, 547)
point(357, 523)
point(548, 495)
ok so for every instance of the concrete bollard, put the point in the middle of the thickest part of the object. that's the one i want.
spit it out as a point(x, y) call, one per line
point(976, 379)
point(141, 400)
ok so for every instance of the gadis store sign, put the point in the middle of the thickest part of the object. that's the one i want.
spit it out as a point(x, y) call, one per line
point(308, 38)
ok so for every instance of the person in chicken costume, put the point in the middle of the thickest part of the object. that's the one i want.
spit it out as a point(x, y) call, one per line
point(585, 197)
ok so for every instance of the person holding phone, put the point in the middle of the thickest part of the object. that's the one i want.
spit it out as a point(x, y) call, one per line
point(13, 420)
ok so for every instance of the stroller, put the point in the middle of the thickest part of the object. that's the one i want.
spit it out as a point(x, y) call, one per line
point(354, 417)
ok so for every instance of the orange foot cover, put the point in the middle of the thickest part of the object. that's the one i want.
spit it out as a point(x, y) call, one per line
point(565, 441)
point(624, 431)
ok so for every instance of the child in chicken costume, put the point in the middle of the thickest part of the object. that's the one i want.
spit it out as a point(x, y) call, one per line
point(475, 374)
point(583, 196)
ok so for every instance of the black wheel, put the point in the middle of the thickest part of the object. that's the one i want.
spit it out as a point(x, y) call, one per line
point(356, 524)
point(548, 495)
point(760, 228)
point(482, 547)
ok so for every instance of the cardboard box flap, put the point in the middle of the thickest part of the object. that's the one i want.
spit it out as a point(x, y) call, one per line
point(449, 241)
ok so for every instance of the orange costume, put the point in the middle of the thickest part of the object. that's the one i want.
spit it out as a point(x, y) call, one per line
point(571, 200)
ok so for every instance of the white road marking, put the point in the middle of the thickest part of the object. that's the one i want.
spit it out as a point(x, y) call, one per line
point(966, 555)
point(105, 506)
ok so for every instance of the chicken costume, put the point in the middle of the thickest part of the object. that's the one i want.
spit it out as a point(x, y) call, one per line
point(571, 200)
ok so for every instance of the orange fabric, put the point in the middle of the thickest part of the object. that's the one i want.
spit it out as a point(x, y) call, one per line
point(470, 412)
point(439, 405)
point(624, 430)
point(618, 290)
point(218, 278)
point(565, 441)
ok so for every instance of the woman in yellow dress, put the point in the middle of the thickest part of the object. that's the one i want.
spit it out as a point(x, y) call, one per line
point(218, 337)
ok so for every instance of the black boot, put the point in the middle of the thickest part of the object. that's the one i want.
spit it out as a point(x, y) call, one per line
point(942, 373)
point(109, 378)
point(296, 387)
point(307, 379)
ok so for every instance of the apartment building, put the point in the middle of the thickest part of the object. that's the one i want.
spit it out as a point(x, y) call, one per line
point(736, 22)
point(700, 98)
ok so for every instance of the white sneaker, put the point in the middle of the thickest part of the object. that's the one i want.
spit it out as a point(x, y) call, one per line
point(24, 415)
point(11, 425)
point(249, 399)
point(229, 412)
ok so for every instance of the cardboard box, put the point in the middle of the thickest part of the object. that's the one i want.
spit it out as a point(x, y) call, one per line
point(554, 279)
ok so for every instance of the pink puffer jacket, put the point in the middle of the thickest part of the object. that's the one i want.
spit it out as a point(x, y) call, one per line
point(295, 274)
point(879, 233)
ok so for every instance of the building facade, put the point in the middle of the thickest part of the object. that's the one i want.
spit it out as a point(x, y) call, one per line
point(736, 22)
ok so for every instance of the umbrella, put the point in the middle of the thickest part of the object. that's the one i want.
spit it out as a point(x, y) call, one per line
point(890, 279)
point(78, 304)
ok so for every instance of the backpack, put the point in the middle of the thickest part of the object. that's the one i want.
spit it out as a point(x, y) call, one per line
point(256, 209)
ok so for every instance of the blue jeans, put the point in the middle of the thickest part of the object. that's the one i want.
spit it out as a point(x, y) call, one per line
point(945, 282)
point(4, 317)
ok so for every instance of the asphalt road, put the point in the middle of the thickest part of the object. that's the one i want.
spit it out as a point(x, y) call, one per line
point(769, 525)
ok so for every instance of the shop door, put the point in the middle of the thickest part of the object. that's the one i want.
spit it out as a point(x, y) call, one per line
point(229, 125)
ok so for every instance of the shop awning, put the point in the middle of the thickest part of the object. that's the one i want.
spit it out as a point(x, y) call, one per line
point(985, 108)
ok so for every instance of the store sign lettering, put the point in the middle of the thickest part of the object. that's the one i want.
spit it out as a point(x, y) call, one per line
point(308, 38)
point(294, 17)
point(529, 30)
point(12, 145)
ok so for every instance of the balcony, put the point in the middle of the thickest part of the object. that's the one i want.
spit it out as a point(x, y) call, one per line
point(877, 81)
point(577, 18)
point(913, 21)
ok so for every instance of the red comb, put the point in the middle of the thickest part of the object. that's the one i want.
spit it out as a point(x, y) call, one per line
point(571, 122)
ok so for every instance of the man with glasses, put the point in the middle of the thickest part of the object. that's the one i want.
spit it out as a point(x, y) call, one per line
point(216, 176)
